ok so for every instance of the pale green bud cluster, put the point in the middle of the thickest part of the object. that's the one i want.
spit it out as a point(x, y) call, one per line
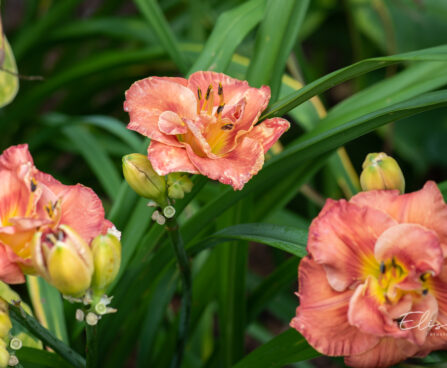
point(178, 185)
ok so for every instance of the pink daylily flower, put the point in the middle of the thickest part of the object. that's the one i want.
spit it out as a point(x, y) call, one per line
point(204, 124)
point(32, 200)
point(374, 285)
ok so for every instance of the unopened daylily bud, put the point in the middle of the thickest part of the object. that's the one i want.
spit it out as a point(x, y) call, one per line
point(178, 185)
point(5, 321)
point(381, 171)
point(107, 259)
point(4, 355)
point(64, 259)
point(142, 178)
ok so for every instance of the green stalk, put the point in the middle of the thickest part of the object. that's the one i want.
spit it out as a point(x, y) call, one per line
point(30, 323)
point(185, 273)
point(91, 347)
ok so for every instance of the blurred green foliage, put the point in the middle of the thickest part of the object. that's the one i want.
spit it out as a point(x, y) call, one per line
point(76, 58)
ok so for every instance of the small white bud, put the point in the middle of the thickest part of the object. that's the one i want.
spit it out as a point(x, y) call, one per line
point(79, 315)
point(91, 319)
point(13, 361)
point(169, 211)
point(15, 343)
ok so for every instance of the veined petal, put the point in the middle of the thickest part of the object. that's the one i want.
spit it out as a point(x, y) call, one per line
point(82, 210)
point(166, 159)
point(367, 311)
point(420, 319)
point(342, 239)
point(146, 99)
point(145, 122)
point(386, 353)
point(269, 131)
point(425, 207)
point(80, 207)
point(170, 123)
point(234, 91)
point(417, 247)
point(322, 315)
point(437, 337)
point(10, 272)
point(15, 156)
point(236, 168)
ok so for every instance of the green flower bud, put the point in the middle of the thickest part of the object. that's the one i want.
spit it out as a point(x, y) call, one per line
point(64, 259)
point(107, 259)
point(4, 355)
point(381, 171)
point(5, 321)
point(142, 178)
point(178, 185)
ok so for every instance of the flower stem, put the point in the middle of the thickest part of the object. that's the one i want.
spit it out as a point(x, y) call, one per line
point(19, 315)
point(185, 272)
point(91, 347)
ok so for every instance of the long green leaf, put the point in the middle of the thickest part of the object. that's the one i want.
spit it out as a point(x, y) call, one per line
point(97, 159)
point(288, 239)
point(288, 347)
point(48, 306)
point(229, 31)
point(276, 282)
point(153, 14)
point(274, 41)
point(339, 76)
point(30, 357)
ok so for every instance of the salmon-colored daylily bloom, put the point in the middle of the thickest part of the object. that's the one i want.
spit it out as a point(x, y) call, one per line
point(374, 285)
point(204, 124)
point(32, 200)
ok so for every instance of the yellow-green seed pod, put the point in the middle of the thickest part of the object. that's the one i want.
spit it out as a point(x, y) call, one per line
point(4, 355)
point(381, 171)
point(107, 260)
point(64, 259)
point(142, 178)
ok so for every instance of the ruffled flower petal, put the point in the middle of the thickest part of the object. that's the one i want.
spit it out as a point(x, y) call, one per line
point(10, 271)
point(166, 159)
point(415, 246)
point(425, 207)
point(386, 353)
point(15, 156)
point(437, 337)
point(322, 315)
point(340, 241)
point(236, 168)
point(269, 131)
point(367, 311)
point(148, 98)
point(170, 123)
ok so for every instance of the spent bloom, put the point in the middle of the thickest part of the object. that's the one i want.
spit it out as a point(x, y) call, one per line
point(374, 285)
point(32, 201)
point(204, 125)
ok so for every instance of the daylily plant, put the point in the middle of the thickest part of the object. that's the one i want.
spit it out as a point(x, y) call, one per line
point(204, 125)
point(32, 201)
point(374, 285)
